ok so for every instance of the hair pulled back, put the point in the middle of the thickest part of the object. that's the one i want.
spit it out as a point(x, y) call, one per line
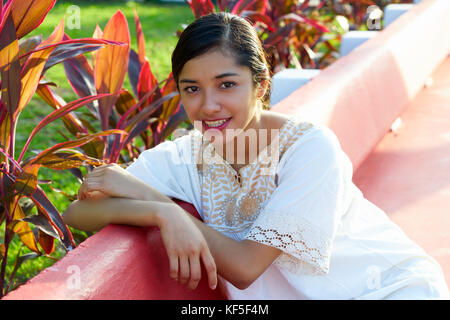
point(229, 33)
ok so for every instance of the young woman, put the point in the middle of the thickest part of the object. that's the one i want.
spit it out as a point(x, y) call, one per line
point(282, 218)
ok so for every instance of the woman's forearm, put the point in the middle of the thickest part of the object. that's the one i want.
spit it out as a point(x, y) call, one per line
point(93, 215)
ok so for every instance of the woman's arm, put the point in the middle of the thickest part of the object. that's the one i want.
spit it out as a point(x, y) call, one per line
point(93, 215)
point(239, 262)
point(112, 180)
point(233, 258)
point(184, 243)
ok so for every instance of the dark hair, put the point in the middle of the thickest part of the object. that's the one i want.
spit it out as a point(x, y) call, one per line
point(229, 33)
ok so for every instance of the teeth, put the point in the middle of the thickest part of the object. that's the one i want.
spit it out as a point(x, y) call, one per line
point(215, 123)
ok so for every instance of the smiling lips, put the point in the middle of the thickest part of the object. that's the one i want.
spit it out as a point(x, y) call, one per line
point(218, 124)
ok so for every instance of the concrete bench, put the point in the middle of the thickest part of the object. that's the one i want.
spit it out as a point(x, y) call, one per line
point(405, 173)
point(408, 172)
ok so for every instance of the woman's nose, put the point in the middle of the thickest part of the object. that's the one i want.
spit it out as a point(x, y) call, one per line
point(210, 103)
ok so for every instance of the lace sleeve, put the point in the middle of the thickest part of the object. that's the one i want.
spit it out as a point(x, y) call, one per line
point(305, 248)
point(303, 213)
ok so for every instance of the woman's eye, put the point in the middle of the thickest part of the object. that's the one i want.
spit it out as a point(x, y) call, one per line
point(228, 84)
point(191, 89)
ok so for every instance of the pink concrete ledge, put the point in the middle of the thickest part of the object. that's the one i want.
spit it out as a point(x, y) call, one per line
point(408, 172)
point(358, 97)
point(118, 262)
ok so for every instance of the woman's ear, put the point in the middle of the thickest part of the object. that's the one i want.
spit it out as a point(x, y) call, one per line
point(262, 88)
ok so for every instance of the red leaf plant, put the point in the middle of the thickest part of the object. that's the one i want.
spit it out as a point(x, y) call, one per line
point(22, 67)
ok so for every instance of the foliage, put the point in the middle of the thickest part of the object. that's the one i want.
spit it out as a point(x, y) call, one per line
point(283, 26)
point(150, 108)
point(303, 34)
point(161, 20)
point(23, 63)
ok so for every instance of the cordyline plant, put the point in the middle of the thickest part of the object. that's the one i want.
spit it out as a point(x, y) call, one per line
point(284, 26)
point(22, 66)
point(356, 11)
point(300, 34)
point(152, 113)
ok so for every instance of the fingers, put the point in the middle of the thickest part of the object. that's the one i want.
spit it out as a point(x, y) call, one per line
point(96, 181)
point(196, 273)
point(210, 267)
point(85, 190)
point(189, 270)
point(173, 264)
point(82, 192)
point(91, 182)
point(184, 269)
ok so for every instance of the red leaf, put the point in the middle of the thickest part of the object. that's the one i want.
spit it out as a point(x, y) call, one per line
point(134, 70)
point(32, 70)
point(71, 121)
point(241, 5)
point(300, 18)
point(201, 7)
point(147, 82)
point(21, 228)
point(58, 114)
point(111, 65)
point(259, 17)
point(66, 41)
point(26, 181)
point(74, 143)
point(54, 217)
point(122, 121)
point(29, 14)
point(171, 105)
point(140, 39)
point(47, 242)
point(10, 66)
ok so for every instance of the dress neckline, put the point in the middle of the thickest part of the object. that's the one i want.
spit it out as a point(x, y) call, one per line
point(282, 129)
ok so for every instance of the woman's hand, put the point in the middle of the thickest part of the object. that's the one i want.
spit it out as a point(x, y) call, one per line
point(185, 246)
point(110, 180)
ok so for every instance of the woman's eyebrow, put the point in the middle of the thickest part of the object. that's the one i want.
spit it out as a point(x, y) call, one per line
point(227, 74)
point(223, 75)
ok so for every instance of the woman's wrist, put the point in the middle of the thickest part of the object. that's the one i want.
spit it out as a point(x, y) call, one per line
point(164, 212)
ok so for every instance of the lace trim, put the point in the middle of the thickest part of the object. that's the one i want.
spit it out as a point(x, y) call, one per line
point(305, 248)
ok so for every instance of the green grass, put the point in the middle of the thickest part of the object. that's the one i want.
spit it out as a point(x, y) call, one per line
point(159, 23)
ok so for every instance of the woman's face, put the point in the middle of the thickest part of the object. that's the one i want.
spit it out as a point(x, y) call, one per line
point(213, 87)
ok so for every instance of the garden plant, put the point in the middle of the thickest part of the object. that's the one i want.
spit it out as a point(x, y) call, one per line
point(23, 66)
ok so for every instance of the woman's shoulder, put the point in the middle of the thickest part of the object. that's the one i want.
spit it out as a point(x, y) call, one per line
point(308, 140)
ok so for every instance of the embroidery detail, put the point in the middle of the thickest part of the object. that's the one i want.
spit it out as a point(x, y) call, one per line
point(250, 205)
point(232, 207)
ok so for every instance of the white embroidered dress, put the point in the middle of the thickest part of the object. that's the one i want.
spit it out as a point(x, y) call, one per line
point(335, 243)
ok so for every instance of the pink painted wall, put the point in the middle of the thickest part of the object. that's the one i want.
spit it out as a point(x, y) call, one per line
point(118, 262)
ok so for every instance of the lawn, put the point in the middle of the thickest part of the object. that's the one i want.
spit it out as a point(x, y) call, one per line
point(160, 21)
